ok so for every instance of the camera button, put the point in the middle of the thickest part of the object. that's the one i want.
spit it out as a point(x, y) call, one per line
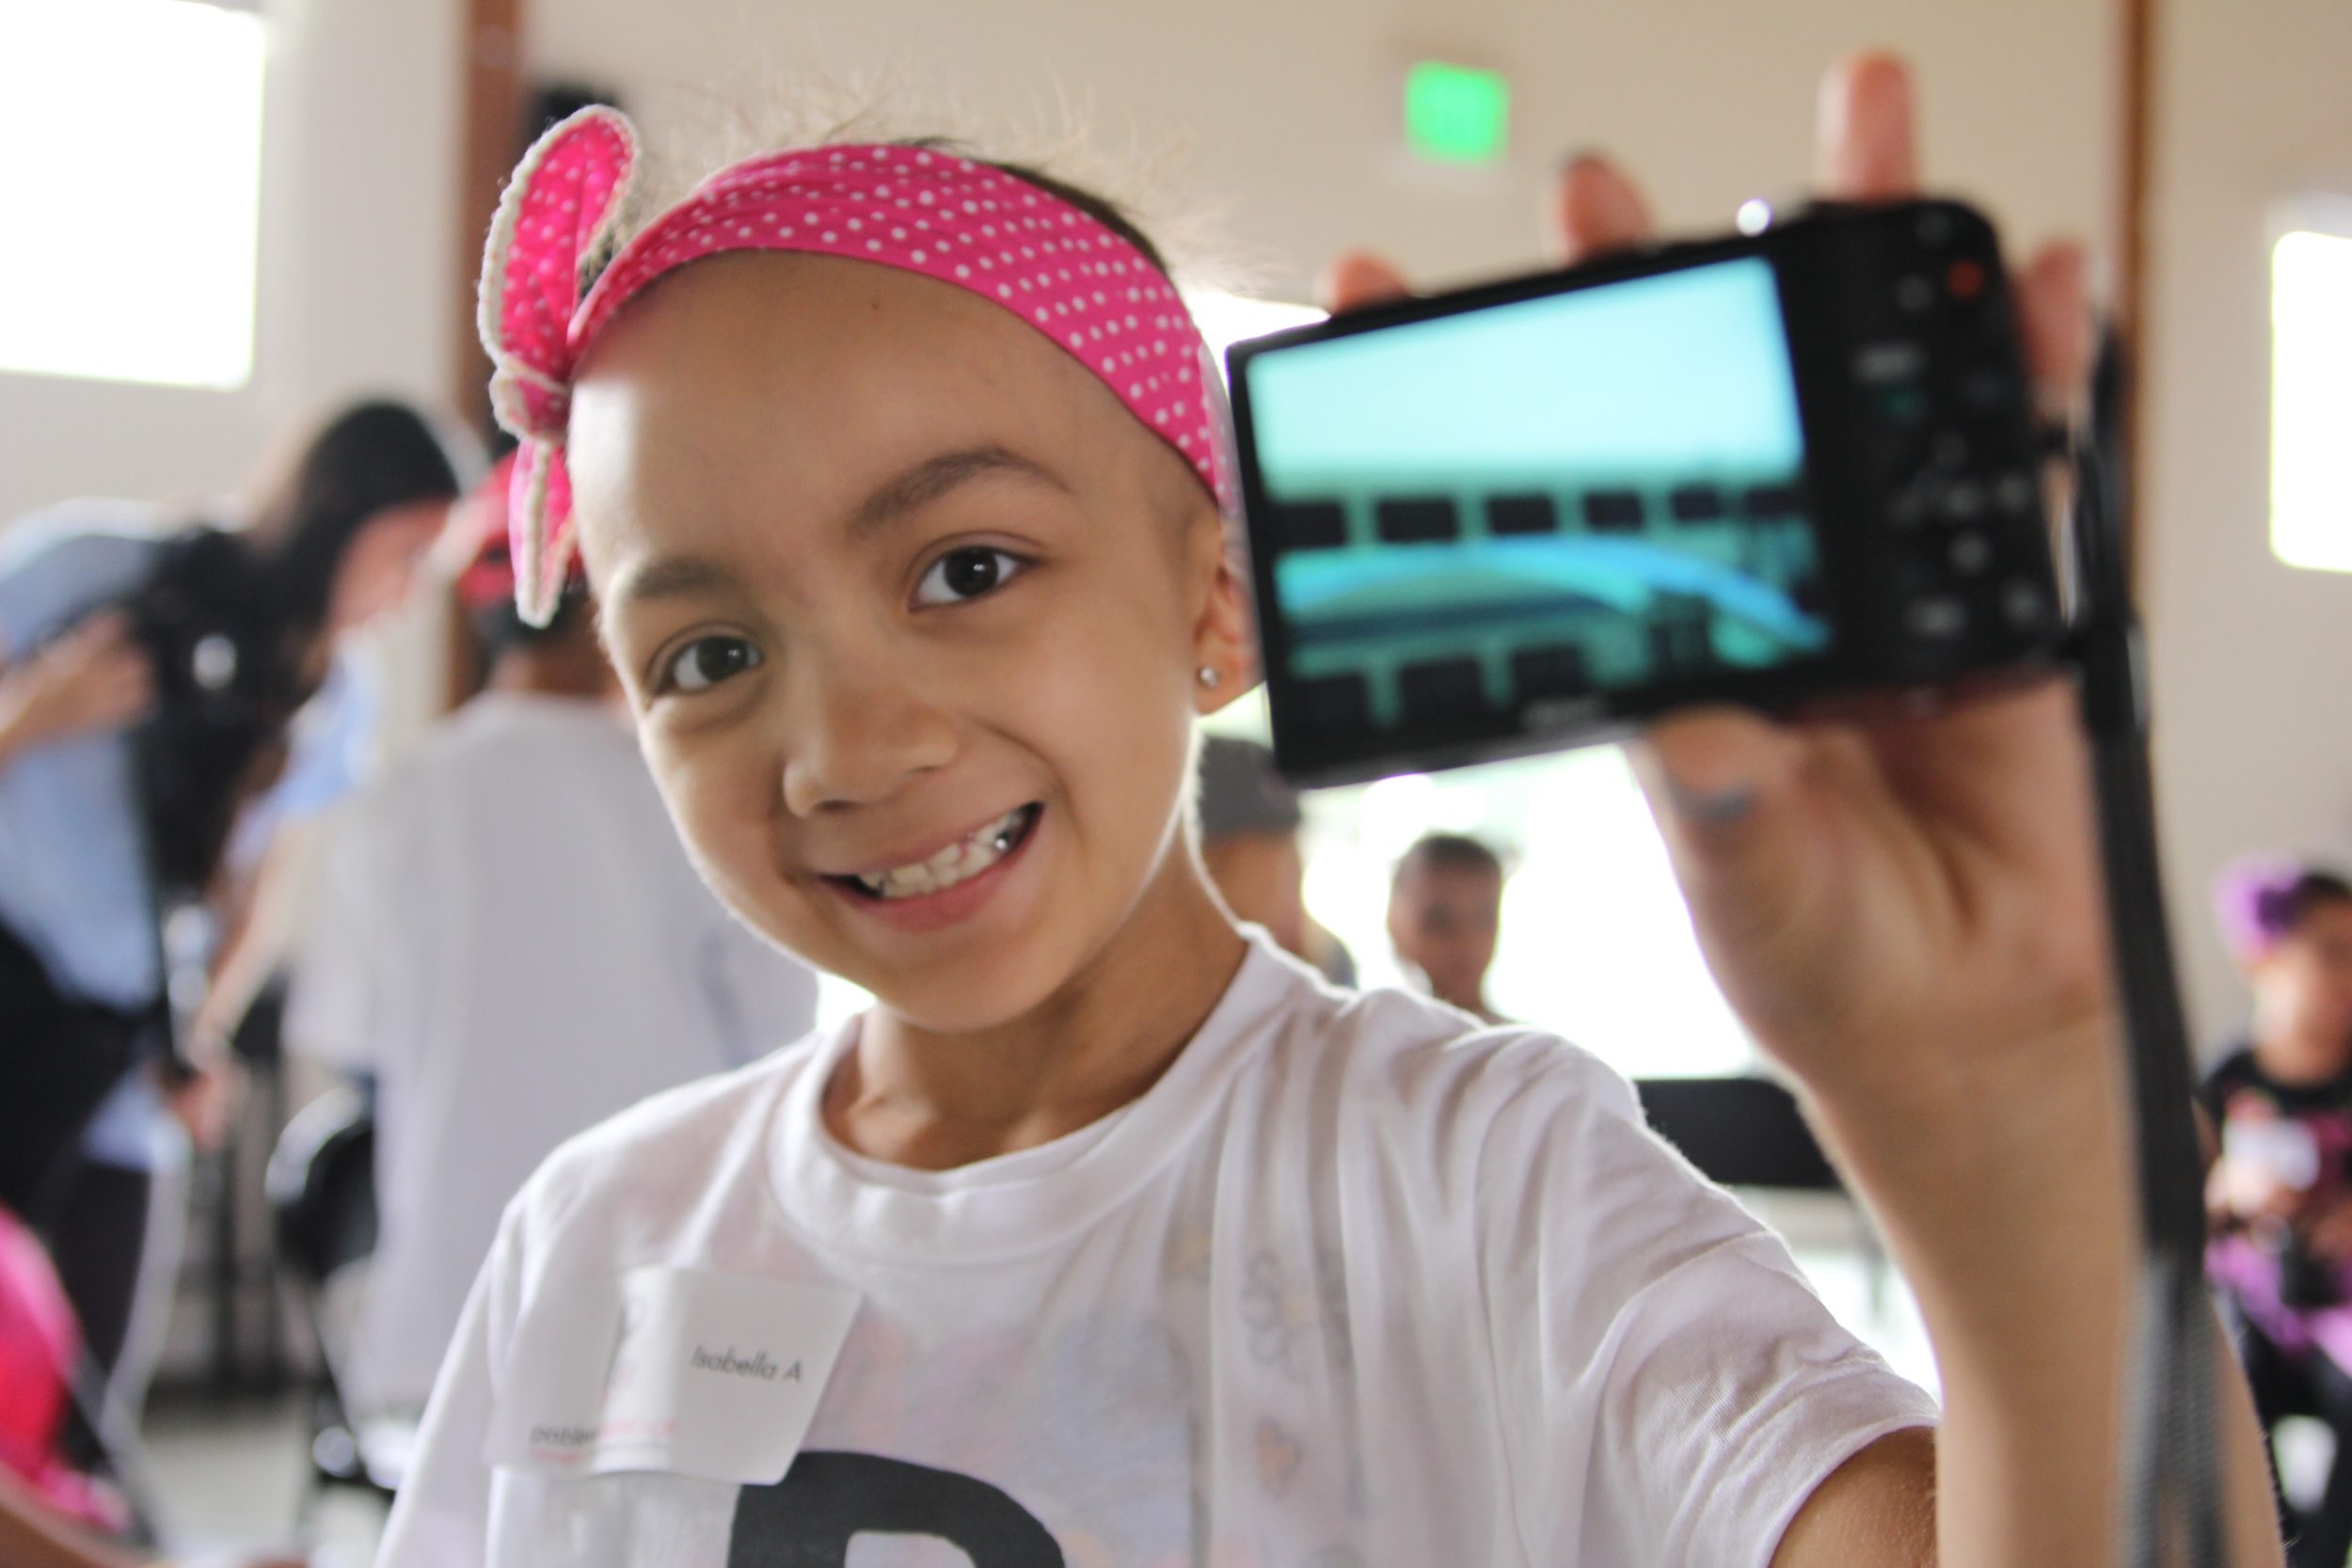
point(1970, 553)
point(1909, 505)
point(1913, 294)
point(1893, 362)
point(1963, 501)
point(2025, 605)
point(1938, 618)
point(1950, 450)
point(2013, 493)
point(1988, 390)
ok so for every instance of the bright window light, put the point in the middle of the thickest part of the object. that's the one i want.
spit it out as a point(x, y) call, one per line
point(2310, 429)
point(133, 138)
point(1596, 942)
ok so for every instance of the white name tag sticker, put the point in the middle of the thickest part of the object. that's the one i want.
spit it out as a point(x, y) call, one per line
point(711, 1375)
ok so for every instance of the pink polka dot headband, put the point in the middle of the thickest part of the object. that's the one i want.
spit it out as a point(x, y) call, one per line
point(552, 279)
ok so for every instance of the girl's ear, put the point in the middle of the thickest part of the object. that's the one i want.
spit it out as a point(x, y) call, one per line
point(1225, 640)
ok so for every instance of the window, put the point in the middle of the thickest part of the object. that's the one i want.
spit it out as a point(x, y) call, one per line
point(1596, 941)
point(2311, 438)
point(129, 159)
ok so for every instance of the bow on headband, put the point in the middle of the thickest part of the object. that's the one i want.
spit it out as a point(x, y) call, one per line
point(553, 279)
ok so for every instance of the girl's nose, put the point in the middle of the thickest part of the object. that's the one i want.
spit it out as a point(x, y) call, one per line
point(854, 739)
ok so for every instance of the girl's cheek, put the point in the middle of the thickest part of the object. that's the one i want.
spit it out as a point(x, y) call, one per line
point(697, 792)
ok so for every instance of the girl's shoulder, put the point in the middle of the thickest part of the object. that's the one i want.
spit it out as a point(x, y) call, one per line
point(1413, 1046)
point(1405, 1075)
point(651, 1167)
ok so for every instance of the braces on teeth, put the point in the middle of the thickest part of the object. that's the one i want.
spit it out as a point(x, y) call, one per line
point(961, 860)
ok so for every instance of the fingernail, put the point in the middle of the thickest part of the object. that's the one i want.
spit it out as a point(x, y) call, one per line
point(1714, 807)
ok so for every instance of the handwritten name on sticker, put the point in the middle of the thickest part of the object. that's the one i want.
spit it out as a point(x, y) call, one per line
point(759, 1366)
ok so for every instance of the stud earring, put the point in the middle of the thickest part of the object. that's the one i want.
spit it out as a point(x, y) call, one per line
point(1210, 675)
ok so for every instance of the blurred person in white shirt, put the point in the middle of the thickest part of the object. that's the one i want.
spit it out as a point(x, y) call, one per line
point(513, 947)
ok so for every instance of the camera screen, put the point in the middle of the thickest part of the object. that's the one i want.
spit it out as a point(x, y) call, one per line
point(1552, 499)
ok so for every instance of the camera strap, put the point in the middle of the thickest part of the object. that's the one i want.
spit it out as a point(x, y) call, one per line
point(2172, 1488)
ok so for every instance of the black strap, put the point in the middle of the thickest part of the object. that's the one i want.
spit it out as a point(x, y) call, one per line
point(2172, 1484)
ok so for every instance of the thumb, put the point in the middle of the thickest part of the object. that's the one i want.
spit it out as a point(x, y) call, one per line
point(1726, 788)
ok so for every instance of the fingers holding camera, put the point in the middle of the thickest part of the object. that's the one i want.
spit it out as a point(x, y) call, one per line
point(2056, 324)
point(1896, 904)
point(1866, 142)
point(1597, 209)
point(1356, 278)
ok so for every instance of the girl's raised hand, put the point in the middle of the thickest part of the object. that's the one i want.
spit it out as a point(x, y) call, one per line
point(1895, 906)
point(1907, 911)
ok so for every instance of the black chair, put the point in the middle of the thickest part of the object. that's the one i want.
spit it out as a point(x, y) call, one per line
point(1740, 1131)
point(1750, 1132)
point(321, 1185)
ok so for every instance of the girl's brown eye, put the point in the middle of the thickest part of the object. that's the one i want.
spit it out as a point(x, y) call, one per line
point(707, 660)
point(967, 574)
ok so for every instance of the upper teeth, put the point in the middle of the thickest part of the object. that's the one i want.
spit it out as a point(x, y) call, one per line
point(967, 857)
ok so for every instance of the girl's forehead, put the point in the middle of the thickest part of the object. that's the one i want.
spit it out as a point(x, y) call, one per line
point(788, 386)
point(817, 363)
point(774, 323)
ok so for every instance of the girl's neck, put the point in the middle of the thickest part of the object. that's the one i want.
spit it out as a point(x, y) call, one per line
point(935, 1101)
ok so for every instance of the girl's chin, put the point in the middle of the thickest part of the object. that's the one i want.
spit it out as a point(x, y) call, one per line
point(946, 1002)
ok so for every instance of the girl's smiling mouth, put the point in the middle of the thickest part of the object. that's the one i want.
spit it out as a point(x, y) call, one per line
point(949, 883)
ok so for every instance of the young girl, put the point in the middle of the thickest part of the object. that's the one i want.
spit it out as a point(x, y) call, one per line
point(1109, 1236)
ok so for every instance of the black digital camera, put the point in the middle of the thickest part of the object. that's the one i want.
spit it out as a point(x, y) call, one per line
point(225, 689)
point(1765, 469)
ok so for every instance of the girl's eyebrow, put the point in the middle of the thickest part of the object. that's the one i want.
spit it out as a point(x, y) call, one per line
point(671, 577)
point(934, 477)
point(681, 575)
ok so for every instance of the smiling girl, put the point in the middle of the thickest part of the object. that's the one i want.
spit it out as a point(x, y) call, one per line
point(1109, 1235)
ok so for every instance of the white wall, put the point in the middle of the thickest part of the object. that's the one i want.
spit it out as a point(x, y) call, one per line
point(1290, 107)
point(358, 171)
point(2253, 659)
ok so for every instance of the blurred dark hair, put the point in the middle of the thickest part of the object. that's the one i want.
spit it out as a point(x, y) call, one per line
point(369, 459)
point(1448, 852)
point(501, 629)
point(2263, 902)
point(1240, 792)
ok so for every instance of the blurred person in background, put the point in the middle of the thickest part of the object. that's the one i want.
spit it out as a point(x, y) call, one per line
point(513, 946)
point(1249, 822)
point(1445, 911)
point(2281, 1191)
point(121, 773)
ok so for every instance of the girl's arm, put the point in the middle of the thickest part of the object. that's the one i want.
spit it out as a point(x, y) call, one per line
point(2007, 1201)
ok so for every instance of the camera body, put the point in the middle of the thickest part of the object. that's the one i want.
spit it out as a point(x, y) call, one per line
point(225, 686)
point(1764, 470)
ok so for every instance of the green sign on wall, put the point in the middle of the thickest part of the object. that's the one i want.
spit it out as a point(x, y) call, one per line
point(1454, 113)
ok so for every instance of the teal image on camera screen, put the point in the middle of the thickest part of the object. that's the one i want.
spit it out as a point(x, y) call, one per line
point(1597, 490)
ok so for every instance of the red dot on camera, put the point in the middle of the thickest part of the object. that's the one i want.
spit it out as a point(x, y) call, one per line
point(1965, 280)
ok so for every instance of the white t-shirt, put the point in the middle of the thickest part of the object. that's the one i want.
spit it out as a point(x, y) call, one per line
point(513, 943)
point(1351, 1284)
